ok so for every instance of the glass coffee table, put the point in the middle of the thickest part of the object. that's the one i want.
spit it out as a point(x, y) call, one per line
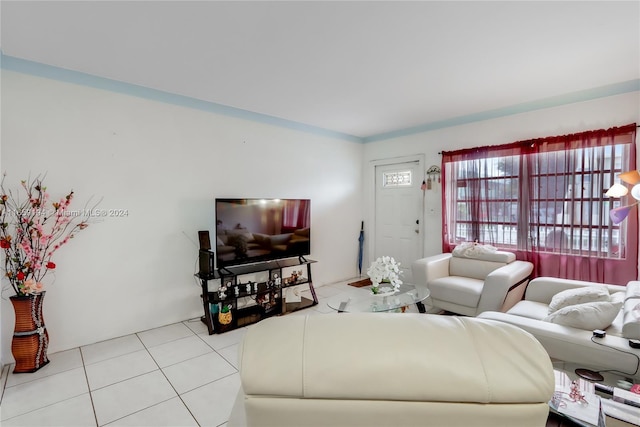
point(606, 411)
point(361, 300)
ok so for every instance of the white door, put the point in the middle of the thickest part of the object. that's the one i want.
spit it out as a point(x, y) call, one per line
point(398, 209)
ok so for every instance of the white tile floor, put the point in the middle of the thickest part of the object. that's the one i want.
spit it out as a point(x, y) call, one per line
point(177, 375)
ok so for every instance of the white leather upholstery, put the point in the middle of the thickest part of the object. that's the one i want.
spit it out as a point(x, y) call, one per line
point(470, 286)
point(546, 287)
point(466, 267)
point(631, 319)
point(568, 343)
point(382, 369)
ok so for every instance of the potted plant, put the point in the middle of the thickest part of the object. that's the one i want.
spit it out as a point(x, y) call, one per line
point(385, 270)
point(33, 227)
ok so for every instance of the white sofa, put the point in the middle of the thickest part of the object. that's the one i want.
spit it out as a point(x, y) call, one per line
point(469, 282)
point(385, 369)
point(577, 344)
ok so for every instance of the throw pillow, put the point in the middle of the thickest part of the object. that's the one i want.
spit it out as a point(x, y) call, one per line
point(617, 297)
point(587, 316)
point(472, 250)
point(579, 295)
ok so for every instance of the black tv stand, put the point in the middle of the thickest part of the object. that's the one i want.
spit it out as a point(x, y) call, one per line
point(223, 270)
point(284, 286)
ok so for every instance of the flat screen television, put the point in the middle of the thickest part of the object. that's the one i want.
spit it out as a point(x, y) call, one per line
point(256, 230)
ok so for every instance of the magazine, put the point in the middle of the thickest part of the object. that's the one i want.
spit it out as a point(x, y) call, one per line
point(577, 400)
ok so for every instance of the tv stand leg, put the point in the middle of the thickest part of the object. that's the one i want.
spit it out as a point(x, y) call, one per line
point(207, 309)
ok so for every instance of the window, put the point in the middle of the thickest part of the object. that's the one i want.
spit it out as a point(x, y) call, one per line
point(396, 179)
point(543, 196)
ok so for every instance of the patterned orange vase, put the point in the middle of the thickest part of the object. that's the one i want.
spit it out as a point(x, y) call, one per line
point(30, 337)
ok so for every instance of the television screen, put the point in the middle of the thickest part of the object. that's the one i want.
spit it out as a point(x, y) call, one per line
point(254, 230)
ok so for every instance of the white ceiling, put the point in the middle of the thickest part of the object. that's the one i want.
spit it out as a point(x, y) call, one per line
point(360, 68)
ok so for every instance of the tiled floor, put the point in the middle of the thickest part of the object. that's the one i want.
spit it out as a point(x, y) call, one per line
point(177, 375)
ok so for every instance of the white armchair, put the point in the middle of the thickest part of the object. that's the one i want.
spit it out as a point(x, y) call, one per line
point(469, 284)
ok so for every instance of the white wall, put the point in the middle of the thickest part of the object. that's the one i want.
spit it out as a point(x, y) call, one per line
point(596, 114)
point(165, 164)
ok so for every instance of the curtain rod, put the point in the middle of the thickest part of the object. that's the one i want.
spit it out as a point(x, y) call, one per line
point(440, 152)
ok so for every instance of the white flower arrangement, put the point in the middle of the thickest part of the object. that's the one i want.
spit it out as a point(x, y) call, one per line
point(384, 269)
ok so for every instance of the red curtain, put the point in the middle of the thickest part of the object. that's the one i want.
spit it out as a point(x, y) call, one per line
point(544, 200)
point(295, 215)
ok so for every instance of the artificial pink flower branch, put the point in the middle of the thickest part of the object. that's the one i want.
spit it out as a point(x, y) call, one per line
point(32, 230)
